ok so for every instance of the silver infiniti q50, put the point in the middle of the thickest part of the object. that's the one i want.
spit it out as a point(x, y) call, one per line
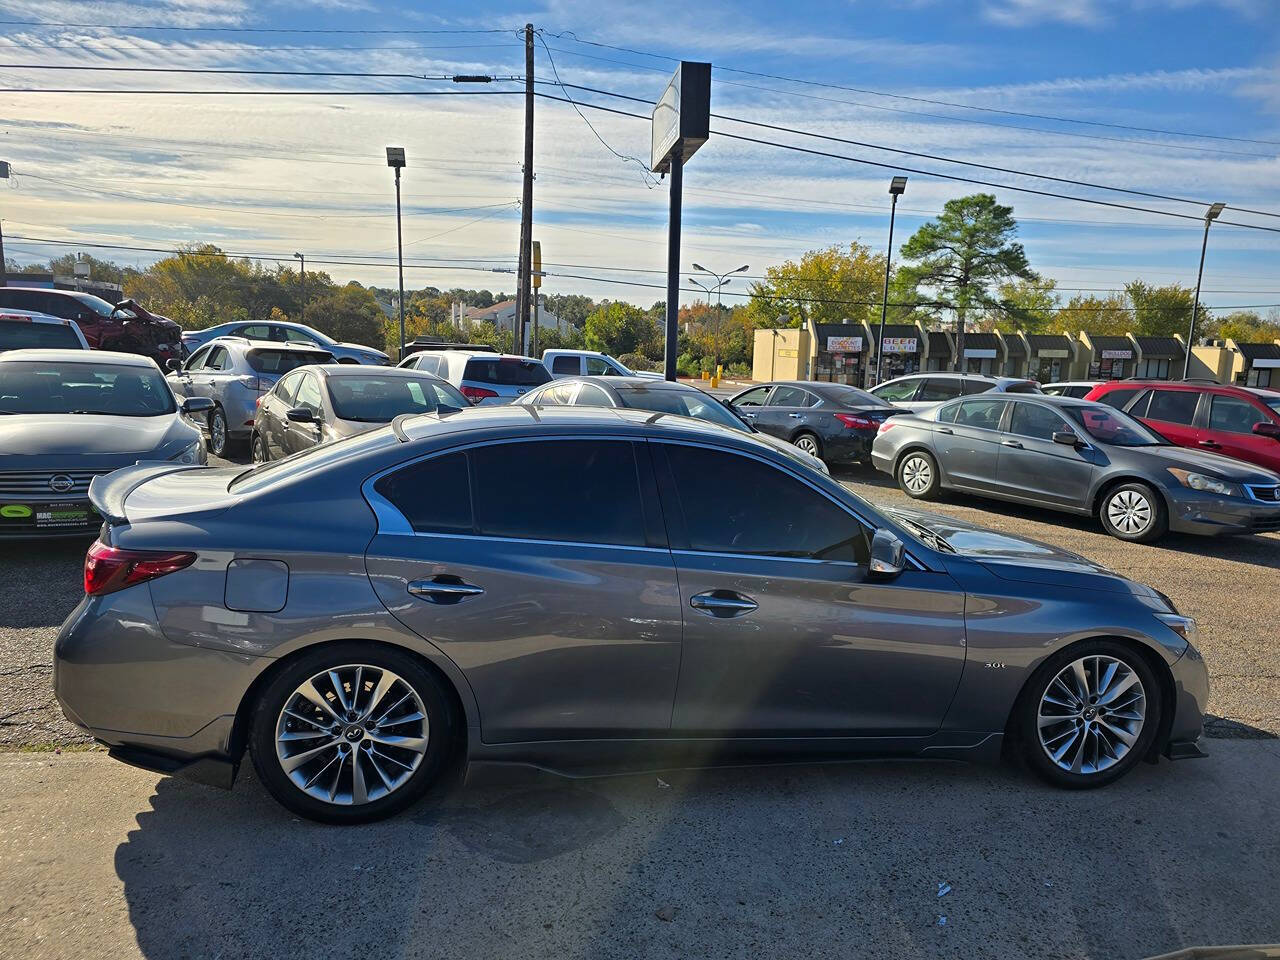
point(589, 589)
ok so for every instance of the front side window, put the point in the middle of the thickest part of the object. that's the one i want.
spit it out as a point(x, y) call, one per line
point(597, 367)
point(34, 386)
point(936, 389)
point(308, 394)
point(1173, 406)
point(753, 398)
point(764, 512)
point(1035, 421)
point(984, 414)
point(898, 391)
point(579, 491)
point(1233, 415)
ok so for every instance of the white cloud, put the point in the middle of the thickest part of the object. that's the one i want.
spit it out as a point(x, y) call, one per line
point(1094, 13)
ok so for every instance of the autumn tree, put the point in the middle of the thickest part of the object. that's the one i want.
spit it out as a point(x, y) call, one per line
point(619, 328)
point(1108, 316)
point(1160, 311)
point(827, 286)
point(1027, 305)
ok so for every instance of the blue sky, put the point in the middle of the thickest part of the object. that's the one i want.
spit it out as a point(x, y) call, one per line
point(271, 175)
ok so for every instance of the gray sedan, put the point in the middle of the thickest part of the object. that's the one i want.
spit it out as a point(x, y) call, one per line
point(581, 590)
point(320, 403)
point(67, 416)
point(1079, 457)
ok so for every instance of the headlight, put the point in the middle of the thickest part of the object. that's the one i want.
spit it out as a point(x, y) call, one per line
point(192, 453)
point(1185, 627)
point(1200, 481)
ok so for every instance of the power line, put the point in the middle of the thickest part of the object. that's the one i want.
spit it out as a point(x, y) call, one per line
point(344, 30)
point(270, 93)
point(236, 71)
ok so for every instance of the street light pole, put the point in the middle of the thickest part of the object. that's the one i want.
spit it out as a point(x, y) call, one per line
point(395, 160)
point(4, 175)
point(721, 280)
point(1211, 215)
point(897, 186)
point(302, 278)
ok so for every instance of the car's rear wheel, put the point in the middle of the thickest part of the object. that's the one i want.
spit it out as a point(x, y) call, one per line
point(352, 732)
point(808, 443)
point(1089, 715)
point(1134, 512)
point(918, 475)
point(258, 449)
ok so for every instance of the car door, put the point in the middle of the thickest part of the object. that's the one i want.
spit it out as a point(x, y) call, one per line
point(302, 436)
point(785, 411)
point(181, 380)
point(969, 447)
point(785, 632)
point(1032, 466)
point(272, 413)
point(1230, 427)
point(211, 380)
point(750, 405)
point(1172, 414)
point(555, 596)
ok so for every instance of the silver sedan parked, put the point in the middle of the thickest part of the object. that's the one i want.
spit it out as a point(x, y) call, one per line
point(580, 590)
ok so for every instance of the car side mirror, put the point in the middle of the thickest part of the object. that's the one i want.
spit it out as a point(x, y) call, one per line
point(174, 364)
point(887, 552)
point(197, 405)
point(301, 415)
point(1067, 438)
point(1265, 428)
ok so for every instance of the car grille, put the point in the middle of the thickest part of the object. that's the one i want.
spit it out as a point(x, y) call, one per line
point(35, 484)
point(1267, 494)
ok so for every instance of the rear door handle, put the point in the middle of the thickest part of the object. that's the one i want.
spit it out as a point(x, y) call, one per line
point(722, 603)
point(1011, 443)
point(440, 590)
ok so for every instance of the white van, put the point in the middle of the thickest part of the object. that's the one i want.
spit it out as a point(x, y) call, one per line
point(588, 363)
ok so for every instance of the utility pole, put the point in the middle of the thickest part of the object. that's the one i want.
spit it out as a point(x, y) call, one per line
point(521, 320)
point(4, 175)
point(302, 277)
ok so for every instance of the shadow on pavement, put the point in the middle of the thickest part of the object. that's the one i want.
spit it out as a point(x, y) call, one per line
point(41, 581)
point(831, 861)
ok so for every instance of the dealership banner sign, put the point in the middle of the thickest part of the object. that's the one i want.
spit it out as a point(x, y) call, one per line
point(844, 344)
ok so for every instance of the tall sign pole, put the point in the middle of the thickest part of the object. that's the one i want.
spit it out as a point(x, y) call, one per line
point(4, 175)
point(681, 124)
point(520, 322)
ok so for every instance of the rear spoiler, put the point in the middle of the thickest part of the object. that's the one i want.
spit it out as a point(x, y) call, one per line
point(107, 491)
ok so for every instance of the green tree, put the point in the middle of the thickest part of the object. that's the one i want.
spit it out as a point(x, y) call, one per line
point(1242, 326)
point(1160, 311)
point(570, 307)
point(1028, 305)
point(618, 328)
point(1109, 316)
point(828, 285)
point(963, 254)
point(349, 314)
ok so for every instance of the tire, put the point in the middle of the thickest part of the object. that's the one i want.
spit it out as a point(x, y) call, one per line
point(808, 443)
point(1083, 750)
point(321, 783)
point(258, 449)
point(1134, 512)
point(218, 439)
point(918, 475)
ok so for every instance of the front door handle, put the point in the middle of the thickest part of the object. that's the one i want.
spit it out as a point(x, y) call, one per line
point(796, 416)
point(1210, 444)
point(1011, 443)
point(745, 415)
point(722, 603)
point(441, 590)
point(947, 430)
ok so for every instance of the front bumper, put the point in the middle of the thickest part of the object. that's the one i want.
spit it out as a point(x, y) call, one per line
point(1190, 701)
point(1209, 515)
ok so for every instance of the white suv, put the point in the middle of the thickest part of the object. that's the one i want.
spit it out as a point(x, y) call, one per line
point(589, 363)
point(483, 377)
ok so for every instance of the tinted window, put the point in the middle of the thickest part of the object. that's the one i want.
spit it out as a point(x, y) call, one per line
point(902, 390)
point(434, 495)
point(850, 396)
point(218, 359)
point(375, 398)
point(752, 398)
point(971, 386)
point(257, 331)
point(596, 367)
point(308, 394)
point(1173, 406)
point(16, 334)
point(791, 397)
point(980, 413)
point(1033, 420)
point(764, 512)
point(34, 386)
point(508, 371)
point(582, 491)
point(1118, 398)
point(1233, 415)
point(590, 395)
point(1079, 392)
point(281, 361)
point(287, 388)
point(938, 388)
point(565, 365)
point(24, 300)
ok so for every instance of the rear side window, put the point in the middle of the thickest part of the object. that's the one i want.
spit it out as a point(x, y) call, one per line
point(281, 361)
point(1119, 398)
point(972, 386)
point(1173, 406)
point(791, 397)
point(581, 491)
point(565, 365)
point(218, 359)
point(938, 388)
point(429, 364)
point(1233, 415)
point(434, 495)
point(17, 334)
point(506, 371)
point(287, 388)
point(764, 512)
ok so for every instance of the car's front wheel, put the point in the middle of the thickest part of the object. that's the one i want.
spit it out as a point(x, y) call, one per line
point(352, 732)
point(258, 449)
point(918, 475)
point(1089, 714)
point(1134, 512)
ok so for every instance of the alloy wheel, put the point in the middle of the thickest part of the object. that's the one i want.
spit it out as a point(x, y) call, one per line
point(917, 474)
point(1091, 714)
point(807, 444)
point(352, 734)
point(258, 452)
point(1130, 512)
point(217, 432)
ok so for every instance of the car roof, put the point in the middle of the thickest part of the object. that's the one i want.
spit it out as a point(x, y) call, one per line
point(1077, 383)
point(35, 316)
point(367, 370)
point(80, 356)
point(264, 344)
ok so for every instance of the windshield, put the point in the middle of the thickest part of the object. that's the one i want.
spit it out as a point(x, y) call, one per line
point(1108, 425)
point(380, 399)
point(116, 390)
point(692, 403)
point(16, 334)
point(96, 304)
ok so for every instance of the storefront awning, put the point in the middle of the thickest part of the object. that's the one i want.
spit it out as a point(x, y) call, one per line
point(1260, 354)
point(898, 337)
point(1050, 345)
point(1111, 347)
point(1014, 347)
point(939, 345)
point(1160, 348)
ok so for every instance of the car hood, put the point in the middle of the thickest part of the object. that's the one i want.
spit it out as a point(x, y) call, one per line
point(1201, 460)
point(1011, 557)
point(87, 441)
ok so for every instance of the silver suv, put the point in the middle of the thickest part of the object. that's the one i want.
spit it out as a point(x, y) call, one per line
point(482, 376)
point(234, 373)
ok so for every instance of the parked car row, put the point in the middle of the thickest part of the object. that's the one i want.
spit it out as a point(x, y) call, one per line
point(125, 327)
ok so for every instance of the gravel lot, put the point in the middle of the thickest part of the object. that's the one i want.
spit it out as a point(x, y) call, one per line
point(1229, 586)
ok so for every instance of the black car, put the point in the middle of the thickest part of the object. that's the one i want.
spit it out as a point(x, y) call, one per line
point(832, 421)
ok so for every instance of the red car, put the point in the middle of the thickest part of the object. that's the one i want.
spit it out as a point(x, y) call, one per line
point(125, 327)
point(1240, 422)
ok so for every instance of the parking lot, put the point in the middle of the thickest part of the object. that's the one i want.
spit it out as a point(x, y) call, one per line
point(845, 859)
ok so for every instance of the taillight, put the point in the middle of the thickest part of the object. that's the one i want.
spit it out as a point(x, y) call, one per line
point(258, 402)
point(108, 569)
point(886, 426)
point(476, 394)
point(855, 422)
